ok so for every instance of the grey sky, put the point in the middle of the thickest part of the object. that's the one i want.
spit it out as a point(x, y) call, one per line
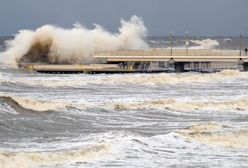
point(199, 17)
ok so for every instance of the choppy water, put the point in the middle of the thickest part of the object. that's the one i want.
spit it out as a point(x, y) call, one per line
point(222, 43)
point(123, 120)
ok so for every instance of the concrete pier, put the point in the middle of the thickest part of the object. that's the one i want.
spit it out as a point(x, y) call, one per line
point(128, 61)
point(164, 56)
point(202, 60)
point(77, 68)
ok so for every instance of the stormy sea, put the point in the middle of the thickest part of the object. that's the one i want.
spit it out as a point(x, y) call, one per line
point(124, 120)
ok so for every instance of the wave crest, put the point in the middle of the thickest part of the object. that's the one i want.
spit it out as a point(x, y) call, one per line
point(215, 134)
point(20, 104)
point(185, 106)
point(165, 78)
point(137, 79)
point(35, 159)
point(205, 44)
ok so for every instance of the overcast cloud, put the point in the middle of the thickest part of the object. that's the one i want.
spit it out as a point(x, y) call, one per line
point(199, 17)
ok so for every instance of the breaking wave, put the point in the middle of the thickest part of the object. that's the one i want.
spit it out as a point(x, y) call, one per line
point(36, 159)
point(138, 79)
point(20, 104)
point(217, 135)
point(185, 106)
point(187, 78)
point(205, 44)
point(77, 45)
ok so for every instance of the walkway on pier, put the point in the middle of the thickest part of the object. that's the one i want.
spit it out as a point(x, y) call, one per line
point(167, 55)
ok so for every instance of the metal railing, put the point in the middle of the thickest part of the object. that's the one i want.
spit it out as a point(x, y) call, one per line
point(167, 52)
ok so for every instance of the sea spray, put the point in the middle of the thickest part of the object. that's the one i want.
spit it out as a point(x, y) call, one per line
point(205, 44)
point(69, 46)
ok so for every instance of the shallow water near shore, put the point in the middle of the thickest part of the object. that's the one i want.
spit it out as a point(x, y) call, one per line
point(123, 120)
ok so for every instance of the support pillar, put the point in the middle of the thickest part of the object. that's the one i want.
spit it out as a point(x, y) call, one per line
point(245, 65)
point(241, 65)
point(179, 67)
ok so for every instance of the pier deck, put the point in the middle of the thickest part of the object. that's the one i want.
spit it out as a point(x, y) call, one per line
point(167, 55)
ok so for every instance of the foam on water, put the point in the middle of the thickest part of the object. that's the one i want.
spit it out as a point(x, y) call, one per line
point(186, 106)
point(205, 44)
point(37, 159)
point(139, 79)
point(215, 134)
point(239, 104)
point(39, 105)
point(189, 78)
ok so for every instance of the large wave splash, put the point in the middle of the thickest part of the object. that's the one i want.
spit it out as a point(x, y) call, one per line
point(69, 46)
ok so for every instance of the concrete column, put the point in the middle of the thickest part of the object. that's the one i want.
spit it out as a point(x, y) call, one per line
point(179, 67)
point(245, 64)
point(241, 65)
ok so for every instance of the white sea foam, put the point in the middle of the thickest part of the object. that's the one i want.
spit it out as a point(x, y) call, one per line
point(214, 134)
point(185, 106)
point(189, 78)
point(40, 105)
point(205, 44)
point(37, 159)
point(139, 79)
point(227, 39)
point(240, 104)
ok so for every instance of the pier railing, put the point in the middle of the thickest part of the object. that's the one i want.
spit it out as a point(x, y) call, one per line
point(167, 52)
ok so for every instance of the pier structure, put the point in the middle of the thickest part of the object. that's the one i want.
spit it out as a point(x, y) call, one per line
point(154, 60)
point(180, 60)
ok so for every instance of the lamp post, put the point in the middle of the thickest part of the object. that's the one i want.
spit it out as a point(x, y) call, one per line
point(187, 42)
point(240, 43)
point(171, 41)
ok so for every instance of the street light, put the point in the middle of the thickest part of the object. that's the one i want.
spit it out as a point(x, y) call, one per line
point(171, 41)
point(240, 44)
point(187, 42)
